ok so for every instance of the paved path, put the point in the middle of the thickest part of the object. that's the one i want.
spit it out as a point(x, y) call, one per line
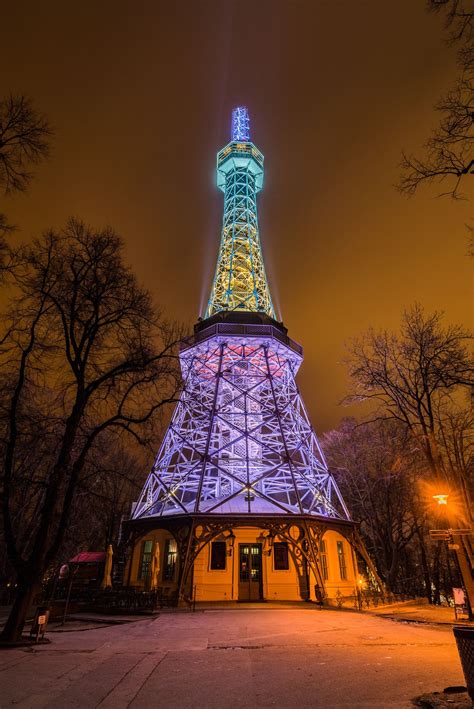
point(422, 613)
point(226, 659)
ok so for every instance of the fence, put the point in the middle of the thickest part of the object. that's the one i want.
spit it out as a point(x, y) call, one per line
point(131, 600)
point(363, 600)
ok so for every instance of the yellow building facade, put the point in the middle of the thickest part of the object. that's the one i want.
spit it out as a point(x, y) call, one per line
point(248, 564)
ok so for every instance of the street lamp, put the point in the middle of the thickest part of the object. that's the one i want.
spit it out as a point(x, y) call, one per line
point(231, 542)
point(464, 636)
point(359, 588)
point(454, 538)
point(271, 539)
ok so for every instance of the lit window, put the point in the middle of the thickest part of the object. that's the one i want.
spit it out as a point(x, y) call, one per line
point(145, 561)
point(280, 556)
point(323, 560)
point(171, 555)
point(218, 556)
point(342, 560)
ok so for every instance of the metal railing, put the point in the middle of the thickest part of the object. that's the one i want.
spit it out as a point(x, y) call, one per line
point(132, 600)
point(364, 600)
point(238, 329)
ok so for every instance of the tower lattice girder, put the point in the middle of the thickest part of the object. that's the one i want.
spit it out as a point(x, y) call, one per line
point(240, 439)
point(240, 282)
point(240, 452)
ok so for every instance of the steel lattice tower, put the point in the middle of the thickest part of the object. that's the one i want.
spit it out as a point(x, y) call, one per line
point(240, 441)
point(240, 282)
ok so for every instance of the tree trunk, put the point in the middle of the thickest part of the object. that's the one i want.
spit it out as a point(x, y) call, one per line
point(19, 613)
point(425, 567)
point(393, 571)
point(437, 578)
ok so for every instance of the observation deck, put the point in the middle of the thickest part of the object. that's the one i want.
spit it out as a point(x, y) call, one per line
point(244, 323)
point(243, 155)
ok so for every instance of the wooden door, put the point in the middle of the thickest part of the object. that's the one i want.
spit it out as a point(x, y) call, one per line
point(250, 572)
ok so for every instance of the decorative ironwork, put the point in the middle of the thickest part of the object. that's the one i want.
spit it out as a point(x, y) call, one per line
point(128, 600)
point(339, 598)
point(303, 534)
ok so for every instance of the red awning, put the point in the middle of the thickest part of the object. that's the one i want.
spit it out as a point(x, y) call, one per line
point(88, 557)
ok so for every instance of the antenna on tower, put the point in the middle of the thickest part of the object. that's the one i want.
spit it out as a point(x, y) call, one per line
point(240, 125)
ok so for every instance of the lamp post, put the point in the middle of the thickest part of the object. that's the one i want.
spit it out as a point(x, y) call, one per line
point(449, 535)
point(464, 636)
point(359, 588)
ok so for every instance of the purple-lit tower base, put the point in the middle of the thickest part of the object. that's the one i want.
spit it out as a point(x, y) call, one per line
point(240, 440)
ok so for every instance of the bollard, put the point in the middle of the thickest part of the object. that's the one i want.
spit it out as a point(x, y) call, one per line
point(40, 622)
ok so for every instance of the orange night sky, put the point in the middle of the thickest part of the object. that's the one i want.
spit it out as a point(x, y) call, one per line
point(140, 95)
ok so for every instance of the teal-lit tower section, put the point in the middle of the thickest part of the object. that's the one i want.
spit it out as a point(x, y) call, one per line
point(240, 282)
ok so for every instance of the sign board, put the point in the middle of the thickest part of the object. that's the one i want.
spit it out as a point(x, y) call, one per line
point(459, 596)
point(440, 534)
point(453, 547)
point(41, 619)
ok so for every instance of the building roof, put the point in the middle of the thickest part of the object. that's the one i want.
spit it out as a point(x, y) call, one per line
point(88, 557)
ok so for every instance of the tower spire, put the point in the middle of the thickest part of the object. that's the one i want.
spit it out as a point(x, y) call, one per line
point(240, 282)
point(240, 125)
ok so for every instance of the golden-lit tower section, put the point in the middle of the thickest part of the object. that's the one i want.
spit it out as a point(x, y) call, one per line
point(240, 282)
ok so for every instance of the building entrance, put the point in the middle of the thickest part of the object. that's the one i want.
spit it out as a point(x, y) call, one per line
point(250, 572)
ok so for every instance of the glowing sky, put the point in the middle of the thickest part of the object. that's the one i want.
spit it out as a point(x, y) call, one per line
point(141, 94)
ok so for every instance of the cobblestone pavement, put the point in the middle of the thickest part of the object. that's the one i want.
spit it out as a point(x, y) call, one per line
point(237, 658)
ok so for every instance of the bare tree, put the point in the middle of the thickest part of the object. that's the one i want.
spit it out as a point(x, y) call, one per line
point(374, 465)
point(415, 376)
point(112, 480)
point(380, 470)
point(24, 141)
point(448, 155)
point(25, 137)
point(456, 435)
point(83, 352)
point(420, 378)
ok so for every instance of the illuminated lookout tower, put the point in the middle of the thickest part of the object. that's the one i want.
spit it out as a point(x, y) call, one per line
point(240, 465)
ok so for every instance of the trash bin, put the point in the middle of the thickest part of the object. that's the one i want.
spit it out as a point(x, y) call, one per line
point(465, 642)
point(40, 622)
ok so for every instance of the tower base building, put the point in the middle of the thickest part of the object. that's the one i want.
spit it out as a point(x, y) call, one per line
point(247, 560)
point(240, 504)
